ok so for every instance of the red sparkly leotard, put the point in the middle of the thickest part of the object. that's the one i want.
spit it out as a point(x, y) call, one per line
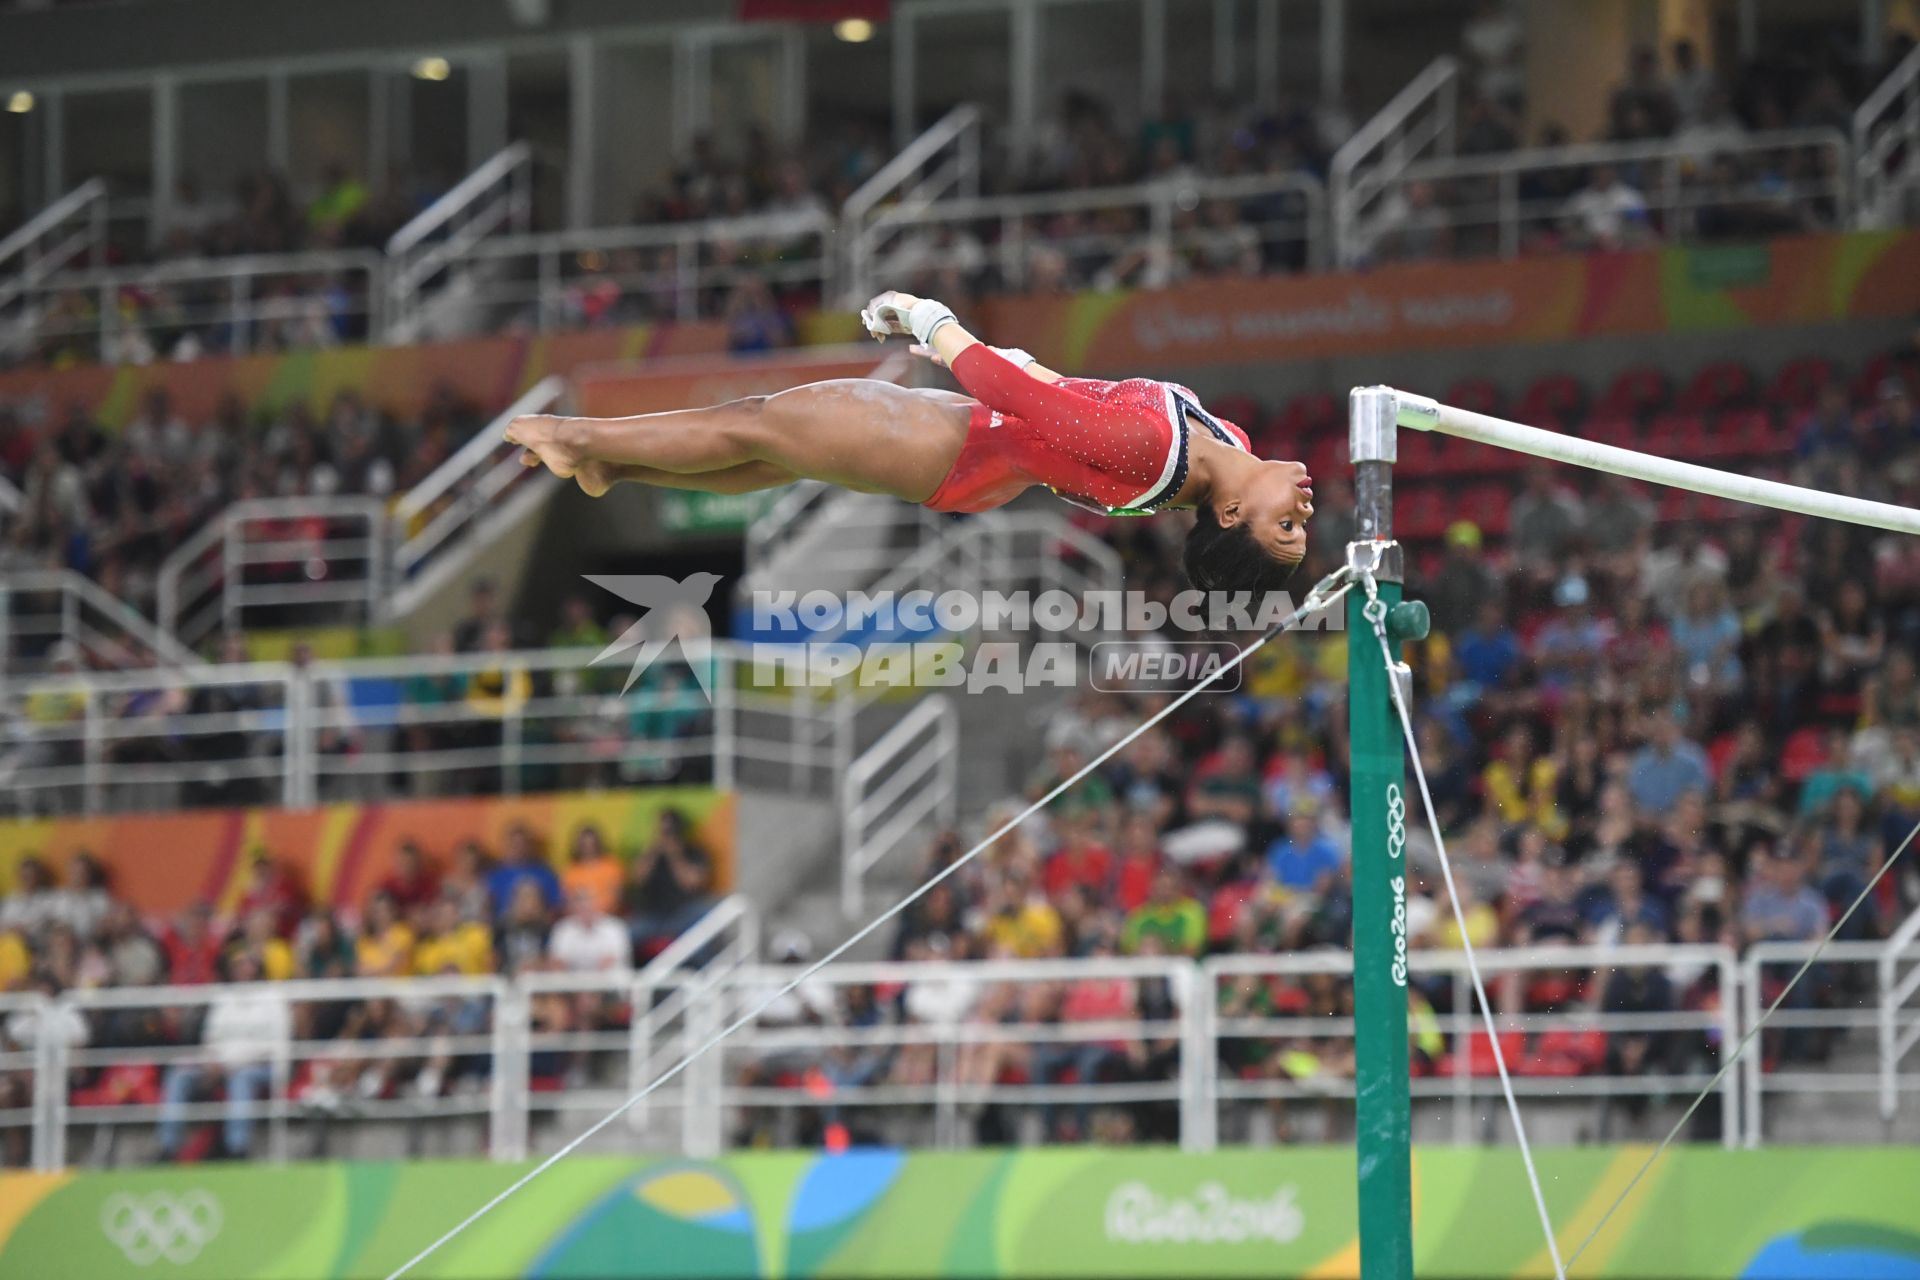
point(1117, 447)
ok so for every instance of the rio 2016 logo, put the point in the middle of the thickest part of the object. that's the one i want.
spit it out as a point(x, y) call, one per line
point(1396, 849)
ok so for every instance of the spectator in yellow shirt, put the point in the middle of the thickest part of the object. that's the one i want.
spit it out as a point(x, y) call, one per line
point(452, 945)
point(270, 952)
point(385, 948)
point(1021, 922)
point(1483, 922)
point(501, 690)
point(1520, 787)
point(15, 961)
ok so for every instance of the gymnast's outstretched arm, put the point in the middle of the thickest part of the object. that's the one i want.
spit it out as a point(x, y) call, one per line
point(988, 376)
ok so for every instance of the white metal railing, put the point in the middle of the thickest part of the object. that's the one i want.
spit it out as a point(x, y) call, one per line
point(1278, 222)
point(530, 720)
point(1899, 1012)
point(496, 198)
point(452, 1049)
point(677, 270)
point(1416, 124)
point(459, 508)
point(153, 739)
point(895, 790)
point(1558, 1054)
point(627, 1028)
point(510, 722)
point(997, 551)
point(1794, 1056)
point(1886, 145)
point(257, 302)
point(284, 560)
point(968, 1036)
point(25, 1080)
point(942, 163)
point(922, 1045)
point(456, 1023)
point(307, 559)
point(44, 612)
point(72, 231)
point(1506, 196)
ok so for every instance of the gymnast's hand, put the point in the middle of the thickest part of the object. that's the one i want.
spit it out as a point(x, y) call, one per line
point(887, 316)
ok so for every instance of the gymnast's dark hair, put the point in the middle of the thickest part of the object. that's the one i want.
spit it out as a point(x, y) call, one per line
point(1227, 558)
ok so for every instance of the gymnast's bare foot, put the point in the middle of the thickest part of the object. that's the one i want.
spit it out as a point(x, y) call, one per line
point(595, 477)
point(541, 437)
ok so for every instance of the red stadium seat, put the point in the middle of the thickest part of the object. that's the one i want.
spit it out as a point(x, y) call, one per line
point(1746, 434)
point(1622, 433)
point(1637, 393)
point(1866, 386)
point(1471, 458)
point(1326, 456)
point(1798, 385)
point(1554, 399)
point(1675, 505)
point(1678, 436)
point(1567, 1052)
point(1310, 415)
point(1804, 751)
point(1242, 411)
point(1480, 1061)
point(1476, 395)
point(125, 1084)
point(1720, 385)
point(1419, 454)
point(1487, 505)
point(1423, 513)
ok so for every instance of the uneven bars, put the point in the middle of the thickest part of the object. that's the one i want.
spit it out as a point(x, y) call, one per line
point(1424, 414)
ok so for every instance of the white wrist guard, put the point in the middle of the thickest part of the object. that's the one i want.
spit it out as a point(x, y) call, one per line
point(1015, 354)
point(926, 318)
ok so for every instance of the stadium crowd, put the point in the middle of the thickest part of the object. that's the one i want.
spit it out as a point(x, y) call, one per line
point(465, 911)
point(1711, 186)
point(111, 505)
point(1635, 732)
point(1641, 723)
point(298, 304)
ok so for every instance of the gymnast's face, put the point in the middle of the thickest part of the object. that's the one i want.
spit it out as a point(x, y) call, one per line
point(1276, 507)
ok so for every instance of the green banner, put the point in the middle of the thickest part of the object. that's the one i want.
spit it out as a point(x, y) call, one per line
point(1781, 1214)
point(688, 511)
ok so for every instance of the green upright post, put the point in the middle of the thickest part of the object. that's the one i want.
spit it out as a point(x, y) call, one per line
point(1383, 1121)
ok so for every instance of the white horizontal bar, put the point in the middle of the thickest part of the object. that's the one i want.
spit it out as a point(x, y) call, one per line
point(1424, 414)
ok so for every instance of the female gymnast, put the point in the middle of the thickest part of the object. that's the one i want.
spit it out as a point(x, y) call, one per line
point(1133, 447)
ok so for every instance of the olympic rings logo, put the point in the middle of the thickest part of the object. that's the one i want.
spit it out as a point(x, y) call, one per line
point(1396, 822)
point(161, 1225)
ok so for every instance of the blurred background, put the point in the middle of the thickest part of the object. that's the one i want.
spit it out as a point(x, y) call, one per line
point(324, 847)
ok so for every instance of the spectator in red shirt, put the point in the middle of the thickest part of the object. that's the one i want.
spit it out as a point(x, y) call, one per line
point(414, 883)
point(1139, 861)
point(193, 947)
point(1111, 1000)
point(1081, 859)
point(272, 888)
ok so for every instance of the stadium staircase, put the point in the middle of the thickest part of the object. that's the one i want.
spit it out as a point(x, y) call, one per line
point(912, 764)
point(1886, 148)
